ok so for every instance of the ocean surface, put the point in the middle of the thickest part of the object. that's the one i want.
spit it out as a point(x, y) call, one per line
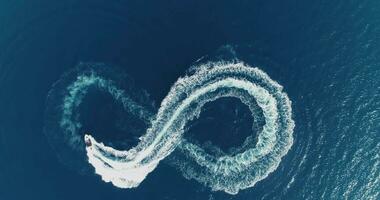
point(325, 54)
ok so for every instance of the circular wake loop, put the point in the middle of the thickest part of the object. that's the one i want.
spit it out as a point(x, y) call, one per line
point(209, 82)
point(63, 120)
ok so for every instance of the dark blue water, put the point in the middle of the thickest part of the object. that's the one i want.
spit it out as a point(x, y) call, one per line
point(324, 53)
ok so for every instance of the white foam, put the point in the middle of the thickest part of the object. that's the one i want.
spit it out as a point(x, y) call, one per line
point(229, 173)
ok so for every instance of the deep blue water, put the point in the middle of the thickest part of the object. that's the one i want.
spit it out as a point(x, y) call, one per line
point(324, 53)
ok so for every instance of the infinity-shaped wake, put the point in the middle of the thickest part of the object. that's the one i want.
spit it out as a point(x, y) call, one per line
point(229, 173)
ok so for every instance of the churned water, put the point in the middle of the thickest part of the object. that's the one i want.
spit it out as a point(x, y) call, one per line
point(103, 68)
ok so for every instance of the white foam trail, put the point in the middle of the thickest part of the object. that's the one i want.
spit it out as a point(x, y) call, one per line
point(63, 125)
point(229, 173)
point(78, 89)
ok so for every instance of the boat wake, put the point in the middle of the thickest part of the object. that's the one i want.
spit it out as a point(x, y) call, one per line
point(231, 172)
